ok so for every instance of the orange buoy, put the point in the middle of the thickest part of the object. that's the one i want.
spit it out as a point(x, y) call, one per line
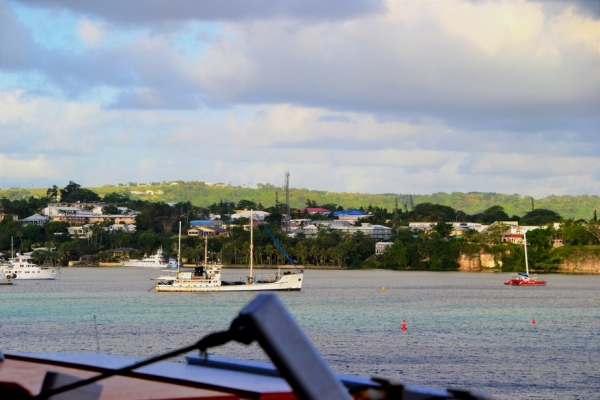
point(533, 321)
point(404, 327)
point(383, 288)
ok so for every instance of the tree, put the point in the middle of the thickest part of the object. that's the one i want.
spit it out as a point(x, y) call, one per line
point(576, 234)
point(443, 229)
point(492, 214)
point(116, 198)
point(67, 190)
point(593, 227)
point(540, 216)
point(433, 213)
point(245, 205)
point(81, 195)
point(495, 232)
point(110, 210)
point(52, 193)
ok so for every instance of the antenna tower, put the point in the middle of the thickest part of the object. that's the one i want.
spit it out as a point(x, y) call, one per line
point(287, 202)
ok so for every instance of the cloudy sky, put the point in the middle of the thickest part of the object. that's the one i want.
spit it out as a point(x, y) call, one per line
point(363, 96)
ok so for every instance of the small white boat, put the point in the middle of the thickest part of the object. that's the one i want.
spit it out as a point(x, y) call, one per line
point(207, 278)
point(172, 264)
point(153, 261)
point(23, 267)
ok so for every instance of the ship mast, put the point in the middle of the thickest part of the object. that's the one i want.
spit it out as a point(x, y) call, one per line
point(205, 250)
point(251, 243)
point(179, 249)
point(525, 244)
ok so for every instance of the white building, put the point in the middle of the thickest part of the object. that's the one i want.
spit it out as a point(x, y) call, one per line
point(246, 214)
point(382, 247)
point(375, 231)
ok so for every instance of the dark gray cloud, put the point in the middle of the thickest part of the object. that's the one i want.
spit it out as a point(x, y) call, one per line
point(142, 12)
point(16, 47)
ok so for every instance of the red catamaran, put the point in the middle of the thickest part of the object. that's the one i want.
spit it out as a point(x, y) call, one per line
point(523, 279)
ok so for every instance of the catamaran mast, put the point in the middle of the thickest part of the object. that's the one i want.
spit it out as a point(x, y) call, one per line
point(251, 242)
point(525, 244)
point(179, 248)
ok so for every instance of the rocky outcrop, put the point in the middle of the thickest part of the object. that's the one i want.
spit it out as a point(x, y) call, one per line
point(583, 265)
point(478, 262)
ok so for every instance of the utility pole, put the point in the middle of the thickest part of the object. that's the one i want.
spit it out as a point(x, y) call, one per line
point(532, 207)
point(412, 205)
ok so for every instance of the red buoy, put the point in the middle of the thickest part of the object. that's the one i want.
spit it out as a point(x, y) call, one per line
point(533, 321)
point(404, 327)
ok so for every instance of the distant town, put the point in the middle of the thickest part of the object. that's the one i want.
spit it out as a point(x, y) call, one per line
point(77, 226)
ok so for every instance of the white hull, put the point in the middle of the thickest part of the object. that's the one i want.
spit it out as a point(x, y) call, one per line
point(153, 261)
point(25, 269)
point(33, 273)
point(141, 264)
point(291, 281)
point(6, 279)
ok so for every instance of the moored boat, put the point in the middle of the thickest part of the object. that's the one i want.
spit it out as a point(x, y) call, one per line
point(208, 278)
point(523, 279)
point(23, 267)
point(7, 278)
point(152, 261)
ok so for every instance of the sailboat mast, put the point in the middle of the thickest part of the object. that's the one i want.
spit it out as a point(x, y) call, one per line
point(251, 242)
point(179, 248)
point(205, 250)
point(525, 244)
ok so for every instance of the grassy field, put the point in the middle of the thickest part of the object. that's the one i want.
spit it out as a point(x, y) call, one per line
point(201, 194)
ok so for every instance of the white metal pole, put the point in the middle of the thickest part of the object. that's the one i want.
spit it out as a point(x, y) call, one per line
point(525, 244)
point(179, 248)
point(205, 250)
point(251, 242)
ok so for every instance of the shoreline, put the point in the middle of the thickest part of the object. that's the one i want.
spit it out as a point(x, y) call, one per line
point(333, 268)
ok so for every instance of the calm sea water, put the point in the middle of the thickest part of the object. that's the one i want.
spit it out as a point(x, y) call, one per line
point(465, 330)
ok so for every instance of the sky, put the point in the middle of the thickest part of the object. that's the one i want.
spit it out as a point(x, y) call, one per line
point(355, 96)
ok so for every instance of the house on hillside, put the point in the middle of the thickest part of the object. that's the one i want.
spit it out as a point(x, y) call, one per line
point(35, 219)
point(315, 210)
point(350, 215)
point(382, 247)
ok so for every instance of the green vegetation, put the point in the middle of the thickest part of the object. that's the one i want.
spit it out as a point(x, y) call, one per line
point(201, 194)
point(157, 224)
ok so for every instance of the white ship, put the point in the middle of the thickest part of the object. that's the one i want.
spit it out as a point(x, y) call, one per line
point(23, 267)
point(207, 278)
point(153, 261)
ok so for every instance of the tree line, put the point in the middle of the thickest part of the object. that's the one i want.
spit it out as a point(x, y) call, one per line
point(157, 226)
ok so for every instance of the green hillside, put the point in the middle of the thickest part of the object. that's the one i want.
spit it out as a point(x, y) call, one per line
point(200, 194)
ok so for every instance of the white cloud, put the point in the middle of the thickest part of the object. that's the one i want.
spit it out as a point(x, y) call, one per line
point(460, 95)
point(90, 32)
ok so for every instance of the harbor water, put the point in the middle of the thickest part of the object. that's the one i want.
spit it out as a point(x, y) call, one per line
point(465, 330)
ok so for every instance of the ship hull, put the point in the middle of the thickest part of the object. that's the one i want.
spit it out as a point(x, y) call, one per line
point(285, 283)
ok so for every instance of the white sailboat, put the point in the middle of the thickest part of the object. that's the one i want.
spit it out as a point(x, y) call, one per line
point(207, 278)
